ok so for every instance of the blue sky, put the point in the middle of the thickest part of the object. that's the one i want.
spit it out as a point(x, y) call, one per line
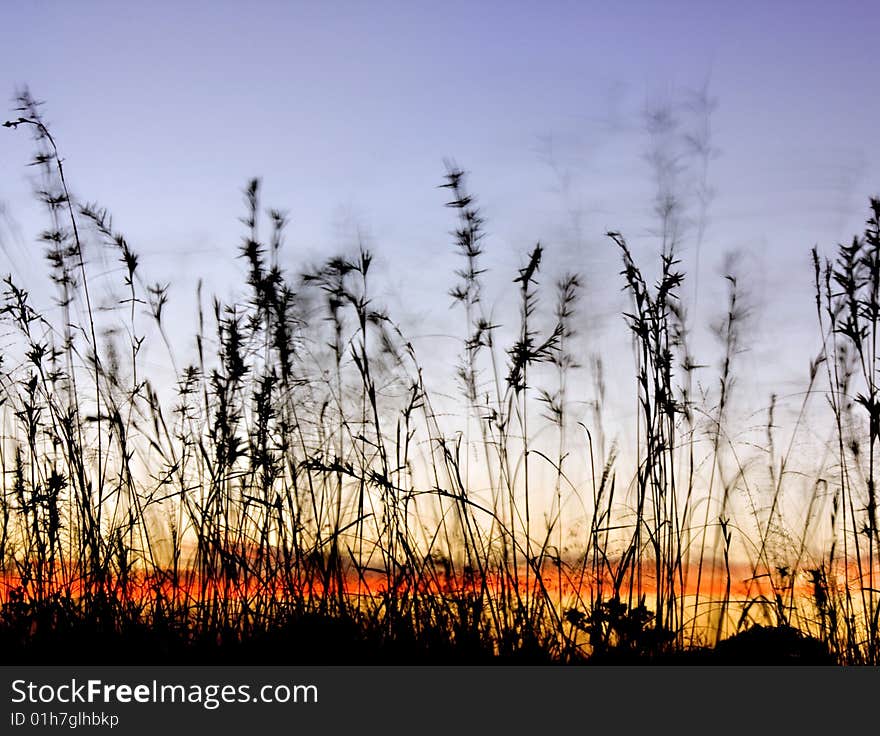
point(346, 110)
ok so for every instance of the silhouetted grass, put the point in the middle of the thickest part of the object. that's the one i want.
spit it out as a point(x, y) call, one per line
point(300, 496)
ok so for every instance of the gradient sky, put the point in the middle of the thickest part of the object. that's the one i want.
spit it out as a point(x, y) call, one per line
point(163, 110)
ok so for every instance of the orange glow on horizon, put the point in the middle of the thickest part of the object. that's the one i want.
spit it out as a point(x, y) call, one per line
point(189, 585)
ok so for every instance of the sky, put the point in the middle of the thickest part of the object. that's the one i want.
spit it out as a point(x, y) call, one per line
point(347, 111)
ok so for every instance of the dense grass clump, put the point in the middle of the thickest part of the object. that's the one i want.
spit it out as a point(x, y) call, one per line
point(300, 494)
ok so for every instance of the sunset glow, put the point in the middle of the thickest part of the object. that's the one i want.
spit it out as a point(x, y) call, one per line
point(443, 334)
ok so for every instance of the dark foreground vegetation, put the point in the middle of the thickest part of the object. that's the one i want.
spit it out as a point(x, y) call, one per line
point(299, 494)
